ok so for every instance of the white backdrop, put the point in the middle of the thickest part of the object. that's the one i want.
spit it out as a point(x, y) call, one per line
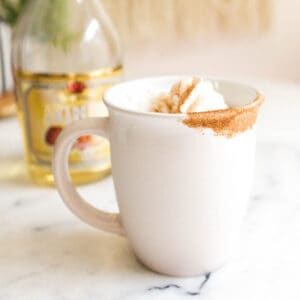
point(273, 55)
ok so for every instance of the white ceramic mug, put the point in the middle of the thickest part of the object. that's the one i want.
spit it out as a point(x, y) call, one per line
point(182, 192)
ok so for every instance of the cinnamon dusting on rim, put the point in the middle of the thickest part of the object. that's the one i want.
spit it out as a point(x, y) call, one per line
point(227, 122)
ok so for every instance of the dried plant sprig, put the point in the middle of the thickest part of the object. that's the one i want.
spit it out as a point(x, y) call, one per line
point(51, 24)
point(10, 10)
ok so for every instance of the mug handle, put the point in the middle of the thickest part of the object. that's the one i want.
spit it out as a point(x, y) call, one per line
point(105, 221)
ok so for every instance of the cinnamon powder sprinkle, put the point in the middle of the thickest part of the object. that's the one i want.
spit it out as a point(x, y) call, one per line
point(227, 122)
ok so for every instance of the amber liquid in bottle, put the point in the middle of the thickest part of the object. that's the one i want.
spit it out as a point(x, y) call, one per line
point(49, 102)
point(66, 54)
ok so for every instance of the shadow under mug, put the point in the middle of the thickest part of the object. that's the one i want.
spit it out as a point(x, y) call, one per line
point(182, 191)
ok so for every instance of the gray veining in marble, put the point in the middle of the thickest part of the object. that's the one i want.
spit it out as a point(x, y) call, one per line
point(46, 253)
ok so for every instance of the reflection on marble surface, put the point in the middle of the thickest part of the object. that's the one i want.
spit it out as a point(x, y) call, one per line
point(46, 253)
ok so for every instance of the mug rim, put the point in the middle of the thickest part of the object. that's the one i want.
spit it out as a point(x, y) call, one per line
point(255, 102)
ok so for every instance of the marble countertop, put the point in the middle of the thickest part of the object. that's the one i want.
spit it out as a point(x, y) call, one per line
point(47, 253)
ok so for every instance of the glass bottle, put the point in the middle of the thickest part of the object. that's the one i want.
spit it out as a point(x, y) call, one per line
point(65, 54)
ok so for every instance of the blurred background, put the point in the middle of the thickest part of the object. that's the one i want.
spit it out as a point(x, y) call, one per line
point(236, 38)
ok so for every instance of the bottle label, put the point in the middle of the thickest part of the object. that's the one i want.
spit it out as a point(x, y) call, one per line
point(48, 103)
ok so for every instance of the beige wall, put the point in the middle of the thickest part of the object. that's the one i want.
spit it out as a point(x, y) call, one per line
point(274, 55)
point(287, 17)
point(146, 19)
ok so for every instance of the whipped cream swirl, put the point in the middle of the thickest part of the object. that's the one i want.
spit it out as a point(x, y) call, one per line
point(190, 95)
